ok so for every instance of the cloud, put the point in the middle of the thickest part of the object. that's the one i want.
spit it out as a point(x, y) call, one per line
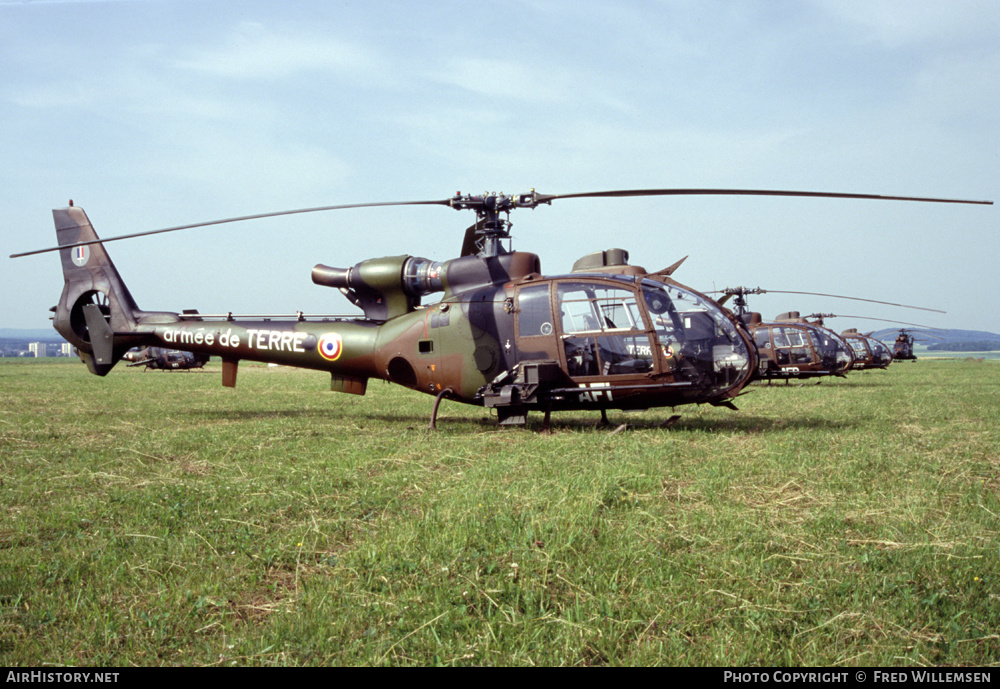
point(500, 79)
point(895, 25)
point(253, 52)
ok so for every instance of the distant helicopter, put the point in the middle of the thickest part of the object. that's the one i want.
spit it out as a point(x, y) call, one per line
point(608, 335)
point(161, 359)
point(793, 346)
point(902, 349)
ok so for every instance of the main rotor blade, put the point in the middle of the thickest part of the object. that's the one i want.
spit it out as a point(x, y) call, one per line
point(530, 200)
point(840, 296)
point(869, 318)
point(546, 198)
point(759, 290)
point(257, 216)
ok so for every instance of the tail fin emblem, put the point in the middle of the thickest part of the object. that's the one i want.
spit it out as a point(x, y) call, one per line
point(81, 255)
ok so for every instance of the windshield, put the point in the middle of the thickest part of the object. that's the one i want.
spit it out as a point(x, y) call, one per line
point(833, 350)
point(880, 352)
point(700, 343)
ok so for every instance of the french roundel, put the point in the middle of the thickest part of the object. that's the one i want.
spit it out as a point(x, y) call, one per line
point(330, 346)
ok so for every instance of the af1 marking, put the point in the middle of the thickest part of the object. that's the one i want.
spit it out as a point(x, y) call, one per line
point(597, 392)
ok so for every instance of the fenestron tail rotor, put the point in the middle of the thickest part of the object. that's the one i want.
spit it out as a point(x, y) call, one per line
point(493, 209)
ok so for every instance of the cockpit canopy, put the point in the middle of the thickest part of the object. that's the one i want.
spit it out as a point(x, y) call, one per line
point(869, 352)
point(609, 325)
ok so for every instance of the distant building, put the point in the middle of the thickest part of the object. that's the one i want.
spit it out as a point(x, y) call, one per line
point(38, 349)
point(66, 349)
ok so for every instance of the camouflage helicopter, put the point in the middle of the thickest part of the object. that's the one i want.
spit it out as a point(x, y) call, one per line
point(160, 359)
point(608, 335)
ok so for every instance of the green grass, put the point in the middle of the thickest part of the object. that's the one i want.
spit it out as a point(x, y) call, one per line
point(159, 518)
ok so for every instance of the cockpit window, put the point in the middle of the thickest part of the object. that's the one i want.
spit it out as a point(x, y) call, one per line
point(882, 354)
point(793, 345)
point(534, 313)
point(859, 347)
point(603, 331)
point(763, 338)
point(588, 308)
point(834, 352)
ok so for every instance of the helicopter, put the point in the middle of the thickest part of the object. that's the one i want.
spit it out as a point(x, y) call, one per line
point(902, 349)
point(790, 349)
point(868, 352)
point(607, 335)
point(160, 359)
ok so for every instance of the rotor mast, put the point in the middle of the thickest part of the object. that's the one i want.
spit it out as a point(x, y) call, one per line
point(740, 302)
point(493, 217)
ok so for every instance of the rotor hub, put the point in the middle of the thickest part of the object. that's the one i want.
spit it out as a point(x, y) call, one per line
point(489, 207)
point(740, 302)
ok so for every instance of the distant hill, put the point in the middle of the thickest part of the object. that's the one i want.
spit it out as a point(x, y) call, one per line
point(946, 340)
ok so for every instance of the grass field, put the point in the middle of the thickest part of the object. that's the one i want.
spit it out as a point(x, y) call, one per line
point(159, 518)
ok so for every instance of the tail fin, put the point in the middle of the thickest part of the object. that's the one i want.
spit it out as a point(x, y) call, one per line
point(96, 313)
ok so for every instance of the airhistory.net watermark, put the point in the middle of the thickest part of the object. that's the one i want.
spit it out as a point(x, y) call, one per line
point(61, 677)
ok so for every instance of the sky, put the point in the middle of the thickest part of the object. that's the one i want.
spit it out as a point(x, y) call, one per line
point(156, 113)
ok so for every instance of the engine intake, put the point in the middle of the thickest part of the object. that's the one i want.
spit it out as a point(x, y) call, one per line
point(384, 287)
